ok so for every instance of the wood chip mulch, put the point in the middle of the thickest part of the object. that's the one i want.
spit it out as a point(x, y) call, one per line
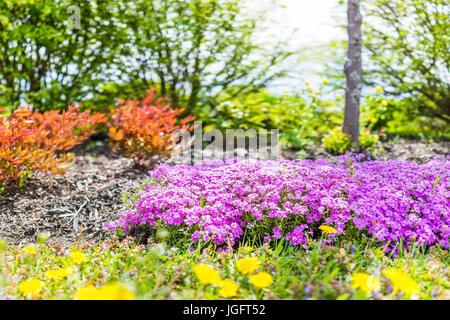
point(81, 200)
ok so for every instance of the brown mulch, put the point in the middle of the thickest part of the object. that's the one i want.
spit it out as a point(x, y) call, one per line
point(83, 199)
point(89, 193)
point(406, 150)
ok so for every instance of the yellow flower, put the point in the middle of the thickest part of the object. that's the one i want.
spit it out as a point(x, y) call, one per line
point(228, 288)
point(309, 90)
point(325, 81)
point(109, 292)
point(327, 229)
point(318, 92)
point(29, 250)
point(339, 96)
point(115, 292)
point(30, 287)
point(384, 103)
point(261, 280)
point(247, 265)
point(59, 274)
point(366, 282)
point(206, 274)
point(379, 89)
point(86, 293)
point(401, 281)
point(307, 83)
point(78, 257)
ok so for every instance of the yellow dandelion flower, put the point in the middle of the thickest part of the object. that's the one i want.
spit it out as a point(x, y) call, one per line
point(365, 282)
point(108, 292)
point(402, 281)
point(261, 280)
point(30, 287)
point(327, 229)
point(325, 81)
point(309, 90)
point(29, 250)
point(384, 103)
point(86, 293)
point(59, 274)
point(228, 288)
point(115, 292)
point(78, 257)
point(339, 96)
point(248, 265)
point(318, 92)
point(206, 275)
point(379, 89)
point(307, 83)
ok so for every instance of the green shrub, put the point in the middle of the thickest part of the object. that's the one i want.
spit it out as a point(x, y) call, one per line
point(400, 118)
point(302, 119)
point(337, 142)
point(306, 117)
point(409, 125)
point(368, 141)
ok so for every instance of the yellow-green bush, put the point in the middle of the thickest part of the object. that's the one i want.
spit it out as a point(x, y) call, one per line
point(337, 142)
point(367, 140)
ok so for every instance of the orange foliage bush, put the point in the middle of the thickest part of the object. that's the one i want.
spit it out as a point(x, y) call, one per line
point(31, 141)
point(144, 128)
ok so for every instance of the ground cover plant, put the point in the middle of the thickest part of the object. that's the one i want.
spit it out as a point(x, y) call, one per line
point(395, 202)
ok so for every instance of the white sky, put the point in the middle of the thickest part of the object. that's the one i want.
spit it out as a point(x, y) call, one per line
point(313, 18)
point(316, 22)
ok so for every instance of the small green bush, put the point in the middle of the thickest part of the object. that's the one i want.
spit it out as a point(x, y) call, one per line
point(368, 141)
point(337, 142)
point(302, 118)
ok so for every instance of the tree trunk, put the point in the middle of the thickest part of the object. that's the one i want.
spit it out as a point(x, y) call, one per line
point(353, 72)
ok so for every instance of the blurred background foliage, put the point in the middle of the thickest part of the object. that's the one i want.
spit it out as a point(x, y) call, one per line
point(203, 56)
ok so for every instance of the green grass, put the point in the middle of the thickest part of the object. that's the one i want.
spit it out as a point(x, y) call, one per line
point(161, 271)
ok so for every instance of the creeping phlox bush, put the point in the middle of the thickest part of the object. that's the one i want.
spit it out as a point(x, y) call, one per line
point(145, 128)
point(392, 202)
point(31, 141)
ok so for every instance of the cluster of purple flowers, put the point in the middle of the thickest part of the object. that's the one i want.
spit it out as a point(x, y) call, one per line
point(220, 201)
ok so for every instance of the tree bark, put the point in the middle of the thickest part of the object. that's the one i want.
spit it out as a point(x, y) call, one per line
point(353, 72)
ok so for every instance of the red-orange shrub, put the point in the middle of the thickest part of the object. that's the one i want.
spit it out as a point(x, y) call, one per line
point(31, 141)
point(144, 128)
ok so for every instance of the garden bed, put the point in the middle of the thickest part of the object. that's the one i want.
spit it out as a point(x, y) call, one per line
point(89, 194)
